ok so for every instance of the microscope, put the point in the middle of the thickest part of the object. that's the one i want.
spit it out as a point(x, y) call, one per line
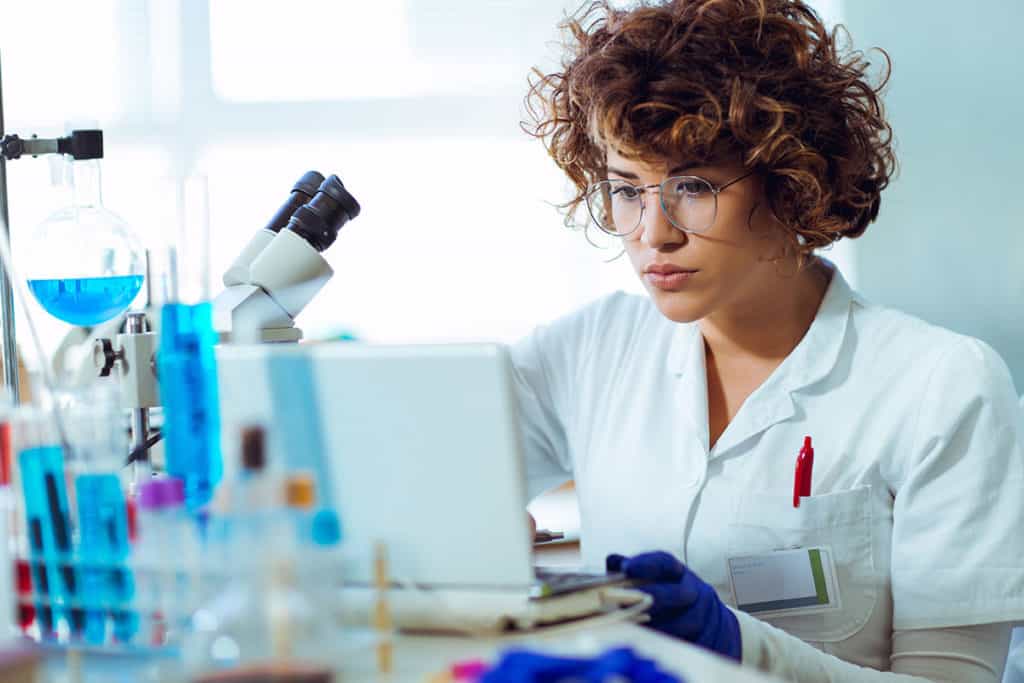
point(274, 277)
point(281, 269)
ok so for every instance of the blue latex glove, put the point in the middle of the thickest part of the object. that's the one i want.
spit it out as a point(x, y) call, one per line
point(684, 606)
point(523, 666)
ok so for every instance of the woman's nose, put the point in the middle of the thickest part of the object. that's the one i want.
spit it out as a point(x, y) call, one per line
point(658, 231)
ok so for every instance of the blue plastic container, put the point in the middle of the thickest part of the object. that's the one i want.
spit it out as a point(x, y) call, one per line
point(188, 390)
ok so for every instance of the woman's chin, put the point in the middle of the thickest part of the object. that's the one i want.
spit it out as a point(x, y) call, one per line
point(677, 306)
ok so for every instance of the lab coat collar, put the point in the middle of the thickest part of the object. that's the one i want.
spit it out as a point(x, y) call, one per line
point(818, 352)
point(812, 360)
point(686, 361)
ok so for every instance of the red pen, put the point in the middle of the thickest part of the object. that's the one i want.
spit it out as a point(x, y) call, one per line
point(804, 467)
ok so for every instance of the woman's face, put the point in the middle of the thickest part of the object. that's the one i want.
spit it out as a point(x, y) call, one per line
point(691, 276)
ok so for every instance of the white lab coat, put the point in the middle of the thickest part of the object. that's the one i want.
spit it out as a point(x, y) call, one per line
point(918, 476)
point(1015, 664)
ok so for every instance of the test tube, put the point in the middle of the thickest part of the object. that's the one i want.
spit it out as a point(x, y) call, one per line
point(188, 388)
point(255, 497)
point(194, 240)
point(97, 439)
point(149, 561)
point(8, 600)
point(107, 586)
point(7, 592)
point(180, 271)
point(42, 468)
point(180, 558)
point(300, 498)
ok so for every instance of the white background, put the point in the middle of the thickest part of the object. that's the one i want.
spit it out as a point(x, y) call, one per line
point(415, 104)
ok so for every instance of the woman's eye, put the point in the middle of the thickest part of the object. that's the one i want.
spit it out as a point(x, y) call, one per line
point(692, 188)
point(625, 192)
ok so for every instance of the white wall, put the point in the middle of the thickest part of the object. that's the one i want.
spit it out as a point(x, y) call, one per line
point(949, 244)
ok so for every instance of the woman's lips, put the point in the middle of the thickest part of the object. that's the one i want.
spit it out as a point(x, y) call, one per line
point(667, 277)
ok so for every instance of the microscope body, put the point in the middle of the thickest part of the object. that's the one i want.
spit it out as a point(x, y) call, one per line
point(283, 278)
point(281, 269)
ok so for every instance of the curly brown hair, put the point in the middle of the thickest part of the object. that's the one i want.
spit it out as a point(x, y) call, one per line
point(760, 82)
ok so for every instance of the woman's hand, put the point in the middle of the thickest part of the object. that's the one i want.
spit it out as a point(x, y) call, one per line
point(684, 606)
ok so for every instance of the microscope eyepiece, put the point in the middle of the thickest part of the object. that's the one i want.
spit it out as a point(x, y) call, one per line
point(333, 189)
point(319, 220)
point(302, 192)
point(309, 183)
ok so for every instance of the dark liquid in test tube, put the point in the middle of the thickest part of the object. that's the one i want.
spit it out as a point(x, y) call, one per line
point(62, 537)
point(35, 533)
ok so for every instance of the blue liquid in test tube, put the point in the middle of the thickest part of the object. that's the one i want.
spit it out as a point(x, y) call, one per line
point(46, 507)
point(86, 300)
point(107, 585)
point(93, 556)
point(188, 390)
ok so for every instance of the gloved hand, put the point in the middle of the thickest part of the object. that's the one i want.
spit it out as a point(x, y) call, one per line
point(684, 606)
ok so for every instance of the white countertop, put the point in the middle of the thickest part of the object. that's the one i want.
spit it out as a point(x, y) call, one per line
point(418, 657)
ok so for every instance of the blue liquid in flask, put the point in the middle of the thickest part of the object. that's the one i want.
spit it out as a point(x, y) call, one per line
point(86, 300)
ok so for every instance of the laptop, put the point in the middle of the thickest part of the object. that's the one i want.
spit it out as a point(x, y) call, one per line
point(416, 446)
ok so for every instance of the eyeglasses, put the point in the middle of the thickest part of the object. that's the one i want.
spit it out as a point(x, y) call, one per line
point(690, 203)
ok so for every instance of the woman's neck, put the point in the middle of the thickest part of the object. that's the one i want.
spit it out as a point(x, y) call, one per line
point(769, 325)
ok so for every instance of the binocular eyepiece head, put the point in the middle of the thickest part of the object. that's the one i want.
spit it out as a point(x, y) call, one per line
point(319, 220)
point(309, 183)
point(302, 192)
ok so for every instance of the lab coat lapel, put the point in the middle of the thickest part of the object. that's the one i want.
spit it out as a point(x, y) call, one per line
point(812, 359)
point(686, 362)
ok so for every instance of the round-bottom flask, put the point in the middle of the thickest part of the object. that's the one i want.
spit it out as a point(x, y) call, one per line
point(84, 264)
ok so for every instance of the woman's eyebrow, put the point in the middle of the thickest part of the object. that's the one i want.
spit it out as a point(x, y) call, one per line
point(677, 170)
point(624, 174)
point(681, 169)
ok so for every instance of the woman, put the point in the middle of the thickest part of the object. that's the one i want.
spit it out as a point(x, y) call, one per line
point(725, 142)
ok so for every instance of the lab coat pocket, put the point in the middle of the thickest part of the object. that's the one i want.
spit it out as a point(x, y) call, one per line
point(840, 520)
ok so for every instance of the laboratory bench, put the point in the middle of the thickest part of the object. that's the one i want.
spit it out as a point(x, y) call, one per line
point(421, 658)
point(427, 658)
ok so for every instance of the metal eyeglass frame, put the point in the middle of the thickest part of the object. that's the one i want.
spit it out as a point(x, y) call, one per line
point(642, 189)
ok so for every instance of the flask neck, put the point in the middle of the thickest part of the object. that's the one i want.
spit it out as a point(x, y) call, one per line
point(86, 187)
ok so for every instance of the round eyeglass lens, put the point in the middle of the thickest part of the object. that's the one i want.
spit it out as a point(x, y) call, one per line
point(615, 206)
point(689, 202)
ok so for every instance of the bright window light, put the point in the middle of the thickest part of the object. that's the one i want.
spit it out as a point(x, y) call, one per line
point(458, 238)
point(50, 74)
point(319, 50)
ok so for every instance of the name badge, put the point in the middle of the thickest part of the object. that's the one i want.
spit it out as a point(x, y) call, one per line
point(785, 582)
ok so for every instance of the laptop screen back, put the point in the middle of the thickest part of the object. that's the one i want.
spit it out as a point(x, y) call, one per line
point(420, 444)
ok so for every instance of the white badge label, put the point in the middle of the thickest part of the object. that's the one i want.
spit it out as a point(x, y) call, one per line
point(785, 582)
